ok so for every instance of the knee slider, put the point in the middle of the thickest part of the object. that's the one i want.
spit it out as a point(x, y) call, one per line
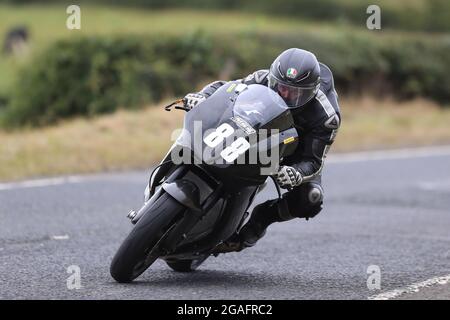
point(315, 200)
point(315, 194)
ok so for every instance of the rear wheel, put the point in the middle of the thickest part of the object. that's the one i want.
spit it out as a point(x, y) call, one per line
point(135, 254)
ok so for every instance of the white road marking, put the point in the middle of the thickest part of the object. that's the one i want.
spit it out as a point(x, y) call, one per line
point(40, 183)
point(331, 159)
point(389, 154)
point(413, 288)
point(435, 185)
point(62, 237)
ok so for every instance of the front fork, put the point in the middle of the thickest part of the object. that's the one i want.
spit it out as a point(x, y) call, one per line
point(188, 185)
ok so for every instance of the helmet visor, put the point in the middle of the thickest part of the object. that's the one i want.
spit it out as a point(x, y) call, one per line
point(293, 96)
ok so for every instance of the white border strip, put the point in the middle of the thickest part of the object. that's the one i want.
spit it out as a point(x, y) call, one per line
point(331, 159)
point(414, 288)
point(40, 183)
point(389, 154)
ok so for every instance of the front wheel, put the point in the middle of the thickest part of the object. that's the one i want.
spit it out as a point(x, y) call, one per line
point(133, 256)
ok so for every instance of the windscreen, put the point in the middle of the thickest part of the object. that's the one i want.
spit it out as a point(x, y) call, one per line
point(227, 115)
point(259, 105)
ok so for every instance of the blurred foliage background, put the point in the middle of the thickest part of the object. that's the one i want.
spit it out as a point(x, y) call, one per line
point(423, 15)
point(136, 53)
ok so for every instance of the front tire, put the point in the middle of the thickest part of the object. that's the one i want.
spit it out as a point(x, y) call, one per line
point(132, 258)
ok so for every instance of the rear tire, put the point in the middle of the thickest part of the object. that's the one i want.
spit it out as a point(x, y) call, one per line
point(132, 259)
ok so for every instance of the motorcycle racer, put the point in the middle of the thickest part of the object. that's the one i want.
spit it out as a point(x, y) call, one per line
point(307, 87)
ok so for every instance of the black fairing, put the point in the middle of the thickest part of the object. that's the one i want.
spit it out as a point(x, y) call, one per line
point(257, 105)
point(223, 190)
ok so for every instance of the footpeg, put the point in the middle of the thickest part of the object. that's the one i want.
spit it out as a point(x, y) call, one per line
point(131, 215)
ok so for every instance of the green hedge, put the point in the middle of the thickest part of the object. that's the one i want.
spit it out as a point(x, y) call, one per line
point(96, 75)
point(91, 76)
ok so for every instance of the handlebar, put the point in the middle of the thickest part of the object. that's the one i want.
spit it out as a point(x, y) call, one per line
point(177, 106)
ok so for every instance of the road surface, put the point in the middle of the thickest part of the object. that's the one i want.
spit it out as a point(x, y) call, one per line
point(390, 211)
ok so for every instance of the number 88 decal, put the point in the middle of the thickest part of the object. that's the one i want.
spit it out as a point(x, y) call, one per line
point(231, 152)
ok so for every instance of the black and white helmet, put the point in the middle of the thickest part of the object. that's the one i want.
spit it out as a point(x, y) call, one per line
point(295, 75)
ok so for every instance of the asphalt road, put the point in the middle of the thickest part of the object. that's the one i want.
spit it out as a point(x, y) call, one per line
point(392, 212)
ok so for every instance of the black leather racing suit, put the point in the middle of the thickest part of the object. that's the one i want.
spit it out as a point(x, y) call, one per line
point(317, 124)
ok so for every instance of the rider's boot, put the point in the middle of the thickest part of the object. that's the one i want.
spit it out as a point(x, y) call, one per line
point(262, 216)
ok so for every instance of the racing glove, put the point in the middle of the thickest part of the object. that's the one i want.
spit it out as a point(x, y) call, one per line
point(193, 99)
point(287, 177)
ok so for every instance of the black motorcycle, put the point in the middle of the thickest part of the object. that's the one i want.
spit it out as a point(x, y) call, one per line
point(193, 206)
